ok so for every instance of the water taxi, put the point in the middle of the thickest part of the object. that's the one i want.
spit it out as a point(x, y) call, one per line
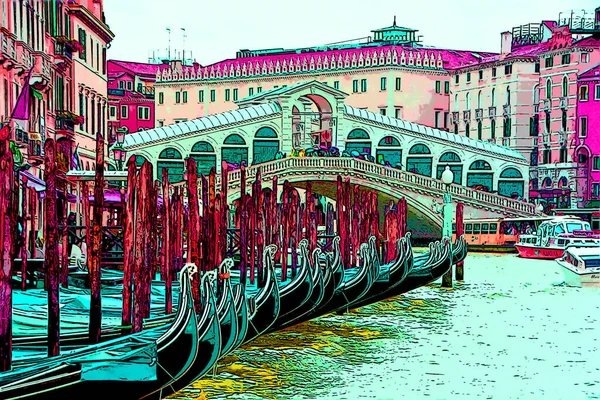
point(498, 235)
point(581, 266)
point(554, 236)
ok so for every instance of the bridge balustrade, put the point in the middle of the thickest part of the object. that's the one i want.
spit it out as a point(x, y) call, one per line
point(344, 165)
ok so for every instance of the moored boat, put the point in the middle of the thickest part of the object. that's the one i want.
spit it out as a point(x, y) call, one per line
point(581, 266)
point(554, 236)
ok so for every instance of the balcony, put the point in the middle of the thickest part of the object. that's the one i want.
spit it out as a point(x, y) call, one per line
point(535, 141)
point(63, 52)
point(546, 139)
point(147, 91)
point(455, 117)
point(41, 72)
point(506, 141)
point(564, 103)
point(467, 115)
point(24, 57)
point(492, 112)
point(479, 114)
point(562, 138)
point(65, 123)
point(546, 105)
point(8, 52)
point(506, 110)
point(35, 149)
point(21, 138)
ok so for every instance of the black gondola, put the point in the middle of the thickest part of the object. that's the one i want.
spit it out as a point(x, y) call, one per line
point(294, 294)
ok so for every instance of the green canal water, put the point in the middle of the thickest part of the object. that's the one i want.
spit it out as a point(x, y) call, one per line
point(512, 330)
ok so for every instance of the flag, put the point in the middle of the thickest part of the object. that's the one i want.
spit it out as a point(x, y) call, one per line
point(21, 110)
point(75, 162)
point(4, 132)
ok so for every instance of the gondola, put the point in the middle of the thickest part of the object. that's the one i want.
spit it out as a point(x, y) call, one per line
point(133, 366)
point(227, 310)
point(322, 280)
point(241, 308)
point(294, 294)
point(357, 281)
point(392, 274)
point(264, 301)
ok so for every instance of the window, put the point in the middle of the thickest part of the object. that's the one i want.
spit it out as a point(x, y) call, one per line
point(161, 123)
point(382, 111)
point(494, 72)
point(585, 57)
point(596, 194)
point(177, 97)
point(493, 129)
point(437, 118)
point(113, 111)
point(438, 87)
point(143, 113)
point(398, 112)
point(547, 156)
point(456, 79)
point(596, 163)
point(481, 75)
point(508, 69)
point(213, 95)
point(548, 89)
point(564, 120)
point(129, 85)
point(537, 67)
point(468, 130)
point(250, 91)
point(103, 60)
point(355, 86)
point(566, 59)
point(259, 89)
point(565, 87)
point(583, 93)
point(549, 62)
point(468, 77)
point(161, 97)
point(201, 96)
point(563, 155)
point(479, 130)
point(583, 127)
point(83, 43)
point(124, 112)
point(185, 96)
point(398, 83)
point(363, 85)
point(336, 85)
point(446, 87)
point(597, 92)
point(227, 94)
point(507, 126)
point(121, 85)
point(446, 119)
point(384, 83)
point(235, 94)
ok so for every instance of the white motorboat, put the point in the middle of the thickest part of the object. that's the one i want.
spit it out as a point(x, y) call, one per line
point(581, 266)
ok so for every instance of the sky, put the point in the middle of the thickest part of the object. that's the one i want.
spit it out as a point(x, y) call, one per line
point(217, 29)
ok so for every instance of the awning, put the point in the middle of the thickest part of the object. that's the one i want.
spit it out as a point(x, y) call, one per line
point(32, 181)
point(109, 197)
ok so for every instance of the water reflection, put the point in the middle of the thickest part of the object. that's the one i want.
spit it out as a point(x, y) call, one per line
point(512, 330)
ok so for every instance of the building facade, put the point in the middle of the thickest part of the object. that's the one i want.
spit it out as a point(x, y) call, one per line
point(131, 95)
point(392, 74)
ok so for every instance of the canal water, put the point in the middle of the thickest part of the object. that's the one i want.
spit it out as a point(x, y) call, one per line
point(512, 330)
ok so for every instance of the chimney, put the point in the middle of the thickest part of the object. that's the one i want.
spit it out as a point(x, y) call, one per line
point(506, 43)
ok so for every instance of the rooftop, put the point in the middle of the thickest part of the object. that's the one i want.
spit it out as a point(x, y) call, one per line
point(138, 68)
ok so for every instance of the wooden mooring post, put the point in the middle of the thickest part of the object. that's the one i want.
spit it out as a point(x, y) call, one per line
point(128, 243)
point(460, 266)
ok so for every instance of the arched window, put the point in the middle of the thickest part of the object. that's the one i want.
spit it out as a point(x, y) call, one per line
point(204, 155)
point(389, 151)
point(468, 130)
point(507, 126)
point(508, 95)
point(493, 129)
point(548, 88)
point(358, 143)
point(479, 130)
point(565, 86)
point(234, 150)
point(421, 161)
point(139, 161)
point(456, 102)
point(511, 183)
point(536, 94)
point(265, 145)
point(479, 99)
point(452, 160)
point(171, 160)
point(468, 105)
point(564, 120)
point(493, 97)
point(563, 183)
point(481, 179)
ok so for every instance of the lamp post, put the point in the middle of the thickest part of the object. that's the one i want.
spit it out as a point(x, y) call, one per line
point(119, 152)
point(447, 213)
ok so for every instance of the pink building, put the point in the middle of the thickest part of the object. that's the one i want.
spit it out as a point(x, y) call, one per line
point(588, 139)
point(131, 95)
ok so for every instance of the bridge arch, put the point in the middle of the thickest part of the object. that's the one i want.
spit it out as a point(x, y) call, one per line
point(234, 150)
point(265, 145)
point(389, 149)
point(451, 159)
point(170, 159)
point(358, 140)
point(205, 156)
point(511, 182)
point(480, 176)
point(420, 159)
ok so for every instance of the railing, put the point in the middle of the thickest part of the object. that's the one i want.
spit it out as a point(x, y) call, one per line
point(455, 117)
point(563, 103)
point(479, 114)
point(467, 115)
point(368, 170)
point(65, 125)
point(546, 104)
point(506, 110)
point(492, 112)
point(61, 50)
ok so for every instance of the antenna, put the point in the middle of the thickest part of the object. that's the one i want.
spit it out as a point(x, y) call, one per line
point(184, 36)
point(169, 48)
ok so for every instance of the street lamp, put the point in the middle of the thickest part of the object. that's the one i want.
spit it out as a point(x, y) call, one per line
point(119, 152)
point(447, 213)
